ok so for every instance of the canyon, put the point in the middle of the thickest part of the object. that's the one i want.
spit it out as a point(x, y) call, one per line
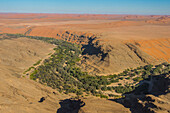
point(110, 45)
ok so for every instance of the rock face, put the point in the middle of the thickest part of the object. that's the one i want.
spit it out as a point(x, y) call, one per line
point(104, 57)
point(157, 100)
point(157, 48)
point(110, 58)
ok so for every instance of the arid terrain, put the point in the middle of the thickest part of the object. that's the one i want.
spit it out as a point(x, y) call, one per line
point(112, 47)
point(21, 95)
point(114, 35)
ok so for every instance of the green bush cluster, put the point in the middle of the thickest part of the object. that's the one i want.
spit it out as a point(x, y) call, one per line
point(37, 63)
point(61, 72)
point(124, 89)
point(28, 69)
point(138, 79)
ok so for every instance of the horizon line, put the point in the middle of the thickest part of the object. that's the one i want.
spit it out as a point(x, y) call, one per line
point(83, 13)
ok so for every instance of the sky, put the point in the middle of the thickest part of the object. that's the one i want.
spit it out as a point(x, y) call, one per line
point(144, 7)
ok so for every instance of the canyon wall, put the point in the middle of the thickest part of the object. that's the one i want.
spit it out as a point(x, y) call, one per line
point(101, 56)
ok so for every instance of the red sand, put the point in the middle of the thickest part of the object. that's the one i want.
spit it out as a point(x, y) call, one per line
point(151, 32)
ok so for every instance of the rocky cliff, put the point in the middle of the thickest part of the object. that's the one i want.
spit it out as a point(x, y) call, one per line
point(101, 56)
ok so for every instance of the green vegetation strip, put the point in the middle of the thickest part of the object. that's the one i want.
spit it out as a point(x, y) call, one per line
point(60, 72)
point(37, 63)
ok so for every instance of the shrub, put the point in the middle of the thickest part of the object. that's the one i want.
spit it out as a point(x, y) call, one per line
point(109, 88)
point(111, 95)
point(114, 81)
point(104, 88)
point(37, 63)
point(121, 89)
point(28, 69)
point(119, 84)
point(138, 79)
point(128, 78)
point(103, 96)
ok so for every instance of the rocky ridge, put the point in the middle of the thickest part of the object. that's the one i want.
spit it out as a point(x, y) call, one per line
point(102, 57)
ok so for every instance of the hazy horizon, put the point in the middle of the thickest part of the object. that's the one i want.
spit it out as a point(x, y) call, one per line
point(138, 7)
point(81, 13)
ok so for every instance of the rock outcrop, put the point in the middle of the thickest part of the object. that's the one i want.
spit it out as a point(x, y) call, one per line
point(156, 100)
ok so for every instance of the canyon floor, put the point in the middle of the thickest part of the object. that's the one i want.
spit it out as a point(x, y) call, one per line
point(110, 44)
point(21, 95)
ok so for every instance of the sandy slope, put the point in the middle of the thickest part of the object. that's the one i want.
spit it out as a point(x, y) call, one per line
point(21, 95)
point(17, 94)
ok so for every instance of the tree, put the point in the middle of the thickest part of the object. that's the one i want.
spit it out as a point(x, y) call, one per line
point(104, 88)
